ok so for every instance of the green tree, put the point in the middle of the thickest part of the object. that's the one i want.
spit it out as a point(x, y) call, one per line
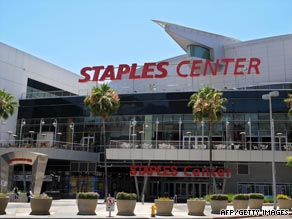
point(289, 101)
point(103, 101)
point(289, 161)
point(7, 104)
point(208, 104)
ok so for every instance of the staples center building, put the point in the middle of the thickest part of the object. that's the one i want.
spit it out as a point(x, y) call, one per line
point(154, 147)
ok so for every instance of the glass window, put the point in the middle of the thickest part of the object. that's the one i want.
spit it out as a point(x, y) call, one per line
point(242, 169)
point(198, 51)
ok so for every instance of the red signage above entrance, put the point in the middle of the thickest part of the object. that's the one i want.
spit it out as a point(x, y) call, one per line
point(172, 171)
point(24, 160)
point(151, 70)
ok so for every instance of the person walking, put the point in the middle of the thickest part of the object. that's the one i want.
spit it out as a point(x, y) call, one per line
point(15, 191)
point(29, 195)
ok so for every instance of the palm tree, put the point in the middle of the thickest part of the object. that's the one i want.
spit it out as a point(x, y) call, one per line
point(7, 104)
point(289, 101)
point(208, 104)
point(103, 101)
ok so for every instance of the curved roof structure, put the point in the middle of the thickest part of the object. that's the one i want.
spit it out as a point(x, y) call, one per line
point(274, 66)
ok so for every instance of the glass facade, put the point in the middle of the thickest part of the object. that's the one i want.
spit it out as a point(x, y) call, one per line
point(162, 119)
point(243, 108)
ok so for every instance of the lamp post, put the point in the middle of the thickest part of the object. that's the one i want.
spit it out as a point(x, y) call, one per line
point(55, 124)
point(42, 122)
point(249, 128)
point(71, 126)
point(9, 133)
point(31, 132)
point(179, 132)
point(226, 130)
point(279, 134)
point(132, 125)
point(203, 123)
point(189, 136)
point(22, 123)
point(243, 139)
point(269, 97)
point(157, 123)
point(143, 132)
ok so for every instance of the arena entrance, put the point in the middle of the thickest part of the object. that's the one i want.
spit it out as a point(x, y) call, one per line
point(38, 162)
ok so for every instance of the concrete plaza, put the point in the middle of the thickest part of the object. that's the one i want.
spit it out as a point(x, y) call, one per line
point(67, 208)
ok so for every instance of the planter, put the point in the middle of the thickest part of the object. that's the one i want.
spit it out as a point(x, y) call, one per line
point(285, 203)
point(126, 207)
point(40, 206)
point(196, 207)
point(218, 205)
point(3, 204)
point(255, 203)
point(164, 207)
point(86, 206)
point(240, 204)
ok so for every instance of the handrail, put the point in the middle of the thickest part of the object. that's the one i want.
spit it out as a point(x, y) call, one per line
point(199, 145)
point(49, 144)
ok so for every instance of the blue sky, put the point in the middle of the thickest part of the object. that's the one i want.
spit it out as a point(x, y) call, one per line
point(77, 33)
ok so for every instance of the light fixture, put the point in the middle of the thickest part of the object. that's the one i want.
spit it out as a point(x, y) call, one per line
point(42, 122)
point(269, 97)
point(22, 123)
point(179, 132)
point(157, 123)
point(55, 124)
point(72, 126)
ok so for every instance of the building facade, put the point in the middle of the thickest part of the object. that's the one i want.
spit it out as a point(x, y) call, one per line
point(154, 146)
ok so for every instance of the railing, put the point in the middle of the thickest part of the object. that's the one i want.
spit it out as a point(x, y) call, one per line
point(216, 145)
point(125, 144)
point(49, 145)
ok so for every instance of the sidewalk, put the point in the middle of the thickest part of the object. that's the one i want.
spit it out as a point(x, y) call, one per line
point(67, 208)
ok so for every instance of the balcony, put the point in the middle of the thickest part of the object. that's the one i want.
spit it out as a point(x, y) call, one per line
point(55, 150)
point(257, 152)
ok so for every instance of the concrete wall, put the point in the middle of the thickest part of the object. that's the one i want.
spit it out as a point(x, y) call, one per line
point(258, 173)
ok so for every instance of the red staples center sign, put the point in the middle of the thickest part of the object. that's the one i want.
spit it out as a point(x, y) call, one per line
point(159, 70)
point(172, 171)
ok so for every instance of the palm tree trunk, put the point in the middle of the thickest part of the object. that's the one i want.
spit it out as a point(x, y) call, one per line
point(145, 180)
point(210, 159)
point(105, 162)
point(136, 183)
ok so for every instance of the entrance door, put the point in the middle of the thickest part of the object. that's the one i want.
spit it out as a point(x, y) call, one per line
point(86, 142)
point(188, 141)
point(280, 141)
point(154, 188)
point(184, 190)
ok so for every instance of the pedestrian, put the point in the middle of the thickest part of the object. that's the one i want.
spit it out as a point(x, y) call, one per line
point(15, 191)
point(29, 195)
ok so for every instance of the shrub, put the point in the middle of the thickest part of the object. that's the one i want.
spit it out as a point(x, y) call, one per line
point(207, 198)
point(219, 197)
point(196, 199)
point(88, 195)
point(230, 197)
point(256, 196)
point(126, 196)
point(43, 196)
point(3, 195)
point(241, 197)
point(164, 198)
point(268, 199)
point(282, 196)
